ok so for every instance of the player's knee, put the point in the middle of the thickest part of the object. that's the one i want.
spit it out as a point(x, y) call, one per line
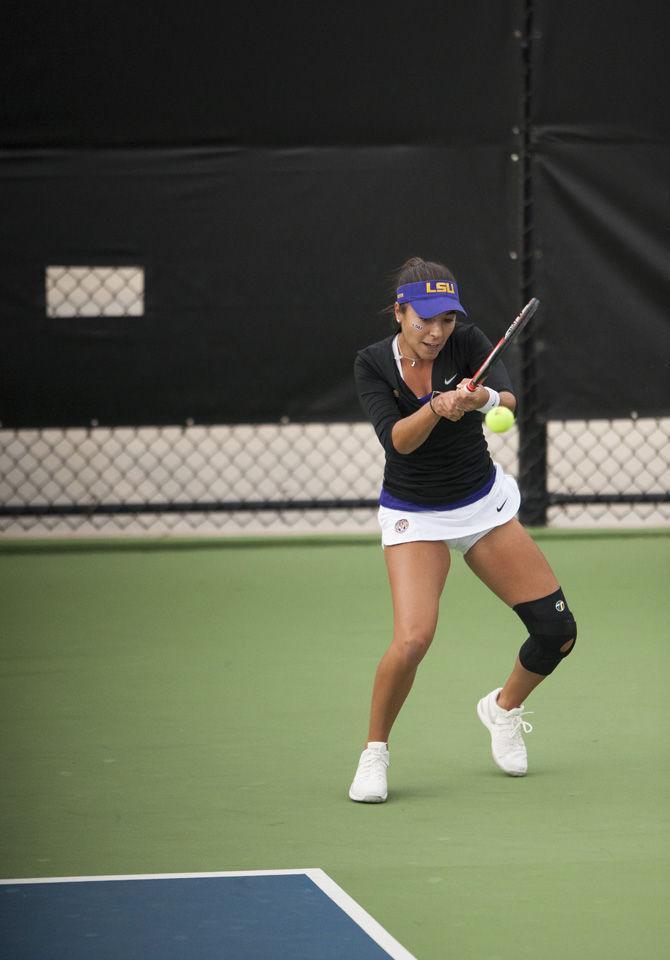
point(552, 630)
point(413, 646)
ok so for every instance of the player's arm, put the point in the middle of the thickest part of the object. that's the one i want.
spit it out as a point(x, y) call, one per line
point(378, 400)
point(409, 433)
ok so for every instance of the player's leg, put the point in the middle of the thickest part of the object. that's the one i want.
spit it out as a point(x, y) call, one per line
point(511, 564)
point(417, 573)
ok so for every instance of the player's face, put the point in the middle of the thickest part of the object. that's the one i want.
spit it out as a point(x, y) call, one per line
point(425, 338)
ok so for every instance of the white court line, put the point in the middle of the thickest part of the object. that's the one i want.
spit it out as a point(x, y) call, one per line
point(360, 916)
point(328, 886)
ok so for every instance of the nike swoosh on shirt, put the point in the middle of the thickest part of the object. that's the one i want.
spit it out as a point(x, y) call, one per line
point(498, 509)
point(447, 382)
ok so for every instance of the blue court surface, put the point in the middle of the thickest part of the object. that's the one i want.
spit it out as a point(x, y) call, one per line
point(253, 915)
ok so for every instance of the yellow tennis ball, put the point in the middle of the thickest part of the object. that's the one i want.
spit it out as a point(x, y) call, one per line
point(499, 419)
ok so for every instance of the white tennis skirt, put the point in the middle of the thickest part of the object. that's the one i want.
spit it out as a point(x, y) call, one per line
point(459, 528)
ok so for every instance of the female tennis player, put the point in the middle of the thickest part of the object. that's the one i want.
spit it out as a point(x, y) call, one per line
point(442, 492)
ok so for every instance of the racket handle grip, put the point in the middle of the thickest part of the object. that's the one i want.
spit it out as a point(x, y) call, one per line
point(470, 388)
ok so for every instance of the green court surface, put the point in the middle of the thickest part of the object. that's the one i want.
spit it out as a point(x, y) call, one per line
point(202, 707)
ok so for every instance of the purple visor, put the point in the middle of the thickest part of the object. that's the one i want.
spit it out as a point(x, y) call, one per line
point(430, 297)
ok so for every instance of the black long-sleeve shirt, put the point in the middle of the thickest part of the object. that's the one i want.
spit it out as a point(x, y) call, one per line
point(454, 460)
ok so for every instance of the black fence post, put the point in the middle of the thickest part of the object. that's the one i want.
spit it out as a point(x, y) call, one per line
point(531, 420)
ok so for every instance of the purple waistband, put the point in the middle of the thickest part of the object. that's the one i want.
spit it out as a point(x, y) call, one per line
point(387, 499)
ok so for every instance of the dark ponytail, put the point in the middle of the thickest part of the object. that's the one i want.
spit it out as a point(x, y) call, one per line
point(416, 269)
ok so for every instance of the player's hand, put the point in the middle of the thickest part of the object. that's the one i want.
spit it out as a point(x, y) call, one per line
point(471, 401)
point(448, 405)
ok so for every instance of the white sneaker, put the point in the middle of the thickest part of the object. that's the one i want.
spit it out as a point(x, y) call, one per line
point(369, 784)
point(507, 746)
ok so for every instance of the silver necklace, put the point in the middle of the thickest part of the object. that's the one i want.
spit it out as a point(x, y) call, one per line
point(403, 357)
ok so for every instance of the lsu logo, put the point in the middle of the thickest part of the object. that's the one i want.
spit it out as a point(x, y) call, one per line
point(440, 286)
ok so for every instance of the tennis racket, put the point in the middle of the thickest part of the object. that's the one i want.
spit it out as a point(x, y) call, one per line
point(504, 342)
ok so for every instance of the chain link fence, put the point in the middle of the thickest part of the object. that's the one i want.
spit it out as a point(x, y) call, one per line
point(294, 477)
point(94, 291)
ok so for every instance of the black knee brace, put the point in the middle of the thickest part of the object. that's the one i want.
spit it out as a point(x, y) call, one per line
point(550, 625)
